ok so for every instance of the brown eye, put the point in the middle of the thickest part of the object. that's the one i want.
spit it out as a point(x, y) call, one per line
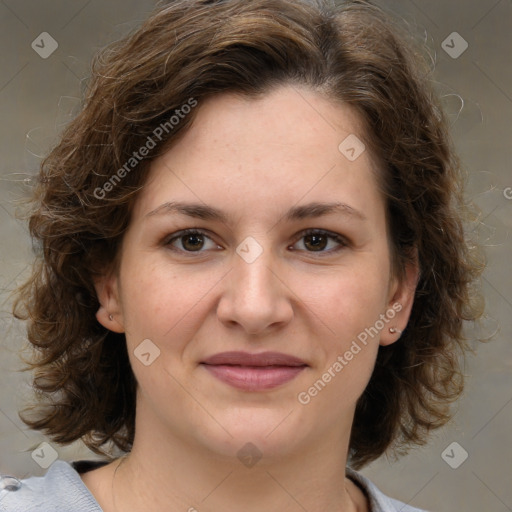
point(190, 241)
point(315, 242)
point(322, 242)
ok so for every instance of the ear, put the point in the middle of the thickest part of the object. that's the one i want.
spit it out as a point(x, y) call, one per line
point(109, 313)
point(400, 300)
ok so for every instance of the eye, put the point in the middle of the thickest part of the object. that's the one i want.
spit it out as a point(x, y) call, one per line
point(190, 240)
point(312, 240)
point(318, 240)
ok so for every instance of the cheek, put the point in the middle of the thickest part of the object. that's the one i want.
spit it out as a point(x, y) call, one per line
point(162, 302)
point(347, 307)
point(346, 300)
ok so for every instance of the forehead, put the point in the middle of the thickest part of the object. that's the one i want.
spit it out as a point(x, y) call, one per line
point(285, 114)
point(286, 145)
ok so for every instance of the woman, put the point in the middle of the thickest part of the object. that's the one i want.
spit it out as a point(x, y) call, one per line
point(252, 274)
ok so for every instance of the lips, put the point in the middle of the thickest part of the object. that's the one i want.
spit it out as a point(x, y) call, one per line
point(247, 359)
point(254, 372)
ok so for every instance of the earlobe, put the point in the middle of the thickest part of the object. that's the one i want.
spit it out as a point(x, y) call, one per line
point(109, 313)
point(109, 320)
point(401, 302)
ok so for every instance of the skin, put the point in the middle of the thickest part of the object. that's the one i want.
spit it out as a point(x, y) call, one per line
point(253, 159)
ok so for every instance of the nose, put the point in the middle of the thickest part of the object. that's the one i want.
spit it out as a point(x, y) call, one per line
point(255, 296)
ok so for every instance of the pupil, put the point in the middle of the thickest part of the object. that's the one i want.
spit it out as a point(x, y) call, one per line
point(316, 241)
point(197, 243)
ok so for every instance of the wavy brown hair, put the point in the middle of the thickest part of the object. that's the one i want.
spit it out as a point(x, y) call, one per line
point(351, 53)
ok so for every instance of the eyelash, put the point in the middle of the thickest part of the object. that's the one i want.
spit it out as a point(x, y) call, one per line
point(312, 231)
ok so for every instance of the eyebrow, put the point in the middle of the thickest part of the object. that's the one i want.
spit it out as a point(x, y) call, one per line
point(205, 212)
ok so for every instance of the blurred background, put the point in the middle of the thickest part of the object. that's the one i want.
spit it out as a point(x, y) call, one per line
point(45, 52)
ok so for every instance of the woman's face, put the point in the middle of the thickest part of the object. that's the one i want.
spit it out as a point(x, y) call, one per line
point(252, 177)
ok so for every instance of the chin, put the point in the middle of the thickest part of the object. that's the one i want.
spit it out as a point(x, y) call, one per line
point(255, 432)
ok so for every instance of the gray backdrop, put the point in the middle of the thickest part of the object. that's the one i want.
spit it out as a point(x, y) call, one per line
point(467, 466)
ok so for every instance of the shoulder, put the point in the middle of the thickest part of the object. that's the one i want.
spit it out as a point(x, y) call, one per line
point(60, 489)
point(379, 502)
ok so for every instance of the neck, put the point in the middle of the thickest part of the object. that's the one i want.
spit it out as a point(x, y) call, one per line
point(167, 473)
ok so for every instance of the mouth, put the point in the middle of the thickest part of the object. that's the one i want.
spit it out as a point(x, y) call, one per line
point(254, 372)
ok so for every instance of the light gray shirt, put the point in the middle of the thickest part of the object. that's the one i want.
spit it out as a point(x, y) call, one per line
point(61, 490)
